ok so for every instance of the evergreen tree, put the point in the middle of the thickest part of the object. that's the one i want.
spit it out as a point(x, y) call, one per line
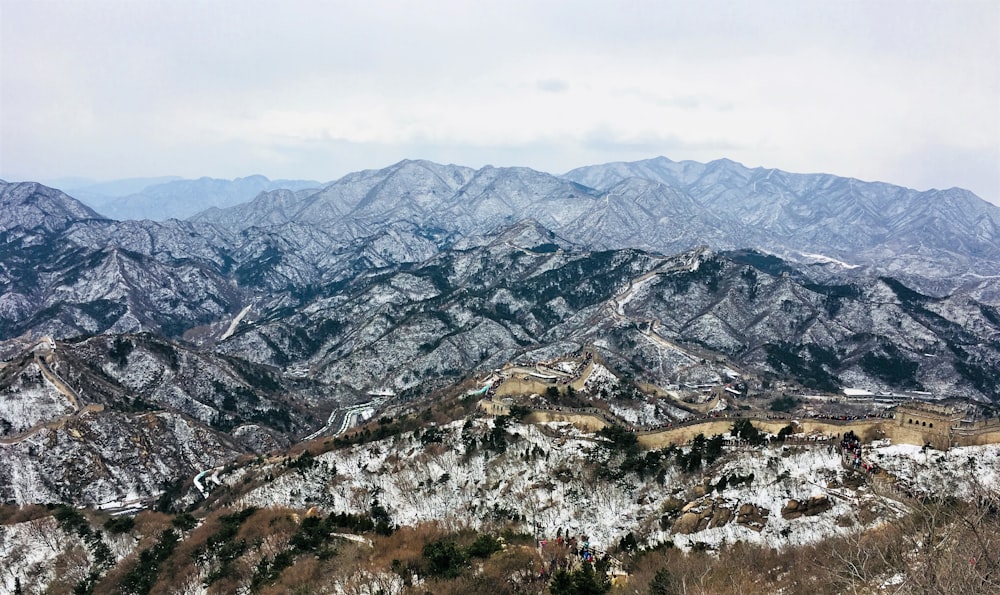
point(588, 582)
point(662, 583)
point(562, 584)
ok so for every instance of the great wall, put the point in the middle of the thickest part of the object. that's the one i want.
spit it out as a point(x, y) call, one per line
point(911, 422)
point(917, 422)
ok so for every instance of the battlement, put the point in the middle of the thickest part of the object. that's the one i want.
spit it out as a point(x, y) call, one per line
point(929, 415)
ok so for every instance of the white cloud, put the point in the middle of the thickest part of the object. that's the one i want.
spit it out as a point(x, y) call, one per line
point(310, 89)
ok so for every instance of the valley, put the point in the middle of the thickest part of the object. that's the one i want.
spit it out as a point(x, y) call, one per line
point(429, 376)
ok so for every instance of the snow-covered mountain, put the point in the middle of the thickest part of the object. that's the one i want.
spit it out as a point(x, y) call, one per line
point(174, 198)
point(406, 304)
point(935, 233)
point(397, 311)
point(185, 350)
point(28, 206)
point(667, 207)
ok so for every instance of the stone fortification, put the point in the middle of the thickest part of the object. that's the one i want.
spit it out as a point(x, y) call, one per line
point(912, 423)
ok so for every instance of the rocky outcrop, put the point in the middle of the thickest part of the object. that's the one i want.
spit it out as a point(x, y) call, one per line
point(810, 507)
point(703, 514)
point(752, 517)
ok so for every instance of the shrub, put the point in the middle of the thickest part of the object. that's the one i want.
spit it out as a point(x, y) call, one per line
point(184, 522)
point(484, 546)
point(119, 524)
point(444, 558)
point(621, 439)
point(784, 404)
point(744, 430)
point(141, 578)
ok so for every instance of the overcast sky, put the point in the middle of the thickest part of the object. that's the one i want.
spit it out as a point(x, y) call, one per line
point(905, 92)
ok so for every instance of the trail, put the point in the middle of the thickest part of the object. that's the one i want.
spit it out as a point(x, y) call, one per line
point(648, 327)
point(58, 382)
point(42, 361)
point(235, 323)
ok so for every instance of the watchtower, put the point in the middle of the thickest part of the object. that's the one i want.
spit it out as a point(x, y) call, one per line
point(926, 423)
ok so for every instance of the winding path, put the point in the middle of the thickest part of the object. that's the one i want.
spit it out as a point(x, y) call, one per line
point(42, 361)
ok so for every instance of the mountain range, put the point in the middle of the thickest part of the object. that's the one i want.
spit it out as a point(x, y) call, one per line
point(215, 365)
point(159, 199)
point(938, 240)
point(408, 279)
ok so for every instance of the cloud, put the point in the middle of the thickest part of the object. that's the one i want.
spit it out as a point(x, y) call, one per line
point(312, 89)
point(552, 85)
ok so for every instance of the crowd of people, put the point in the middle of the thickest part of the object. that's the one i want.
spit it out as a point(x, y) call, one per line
point(852, 452)
point(568, 554)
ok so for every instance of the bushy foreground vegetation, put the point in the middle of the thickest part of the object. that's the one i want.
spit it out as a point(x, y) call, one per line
point(937, 545)
point(940, 546)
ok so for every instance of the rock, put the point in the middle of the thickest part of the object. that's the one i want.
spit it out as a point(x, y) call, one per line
point(673, 505)
point(791, 510)
point(687, 523)
point(818, 504)
point(752, 517)
point(811, 507)
point(701, 515)
point(721, 517)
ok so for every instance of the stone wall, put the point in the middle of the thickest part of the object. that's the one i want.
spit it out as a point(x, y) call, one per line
point(918, 435)
point(586, 422)
point(899, 430)
point(517, 385)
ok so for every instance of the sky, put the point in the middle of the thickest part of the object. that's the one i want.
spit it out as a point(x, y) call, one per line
point(904, 92)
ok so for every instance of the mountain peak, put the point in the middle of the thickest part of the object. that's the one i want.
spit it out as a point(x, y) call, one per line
point(31, 205)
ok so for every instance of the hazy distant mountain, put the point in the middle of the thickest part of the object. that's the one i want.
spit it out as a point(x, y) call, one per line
point(101, 192)
point(159, 199)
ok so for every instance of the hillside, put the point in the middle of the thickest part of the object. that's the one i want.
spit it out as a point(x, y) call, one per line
point(669, 361)
point(383, 513)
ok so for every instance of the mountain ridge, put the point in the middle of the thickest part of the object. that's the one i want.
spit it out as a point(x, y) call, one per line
point(180, 198)
point(170, 365)
point(667, 206)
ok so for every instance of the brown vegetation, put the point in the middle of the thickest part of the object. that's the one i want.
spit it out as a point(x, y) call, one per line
point(938, 545)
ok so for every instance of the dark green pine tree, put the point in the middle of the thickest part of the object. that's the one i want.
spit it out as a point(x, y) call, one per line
point(662, 583)
point(588, 582)
point(562, 584)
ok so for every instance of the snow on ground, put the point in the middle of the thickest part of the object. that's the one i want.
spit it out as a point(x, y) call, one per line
point(26, 406)
point(636, 413)
point(32, 548)
point(960, 470)
point(641, 413)
point(637, 288)
point(827, 259)
point(568, 367)
point(720, 406)
point(235, 323)
point(781, 475)
point(600, 378)
point(552, 480)
point(673, 411)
